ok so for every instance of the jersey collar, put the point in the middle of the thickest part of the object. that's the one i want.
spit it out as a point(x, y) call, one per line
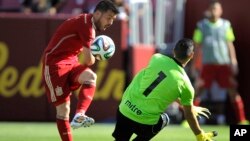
point(177, 62)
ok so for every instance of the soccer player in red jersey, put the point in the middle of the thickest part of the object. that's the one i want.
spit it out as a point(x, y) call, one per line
point(62, 72)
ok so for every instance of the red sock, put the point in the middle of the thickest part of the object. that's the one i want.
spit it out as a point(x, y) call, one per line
point(85, 97)
point(239, 108)
point(63, 127)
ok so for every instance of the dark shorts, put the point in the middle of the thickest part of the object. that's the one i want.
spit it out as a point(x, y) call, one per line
point(126, 127)
point(222, 74)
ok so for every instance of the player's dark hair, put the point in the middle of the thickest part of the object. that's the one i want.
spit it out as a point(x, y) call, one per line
point(106, 5)
point(213, 2)
point(183, 48)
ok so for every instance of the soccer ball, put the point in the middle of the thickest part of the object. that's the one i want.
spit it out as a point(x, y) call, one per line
point(103, 47)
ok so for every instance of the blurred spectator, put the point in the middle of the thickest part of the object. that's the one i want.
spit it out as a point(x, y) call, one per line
point(42, 6)
point(79, 6)
point(10, 6)
point(214, 40)
point(123, 9)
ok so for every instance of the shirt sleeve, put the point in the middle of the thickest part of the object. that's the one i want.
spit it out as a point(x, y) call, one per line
point(229, 34)
point(187, 95)
point(197, 37)
point(86, 37)
point(85, 32)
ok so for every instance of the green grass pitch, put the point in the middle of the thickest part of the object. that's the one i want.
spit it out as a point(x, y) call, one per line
point(47, 131)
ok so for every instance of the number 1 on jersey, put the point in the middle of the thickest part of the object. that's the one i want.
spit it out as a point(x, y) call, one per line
point(149, 89)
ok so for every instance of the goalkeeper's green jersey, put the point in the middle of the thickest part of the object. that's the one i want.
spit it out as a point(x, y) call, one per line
point(154, 88)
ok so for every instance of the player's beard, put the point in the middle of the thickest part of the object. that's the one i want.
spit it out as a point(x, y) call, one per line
point(99, 25)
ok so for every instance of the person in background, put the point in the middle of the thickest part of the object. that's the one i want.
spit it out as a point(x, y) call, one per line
point(62, 71)
point(214, 38)
point(152, 90)
point(123, 9)
point(42, 6)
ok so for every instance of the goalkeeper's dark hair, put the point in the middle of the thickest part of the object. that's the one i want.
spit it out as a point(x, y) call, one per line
point(106, 5)
point(184, 48)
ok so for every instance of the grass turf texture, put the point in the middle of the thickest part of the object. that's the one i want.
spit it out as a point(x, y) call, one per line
point(44, 131)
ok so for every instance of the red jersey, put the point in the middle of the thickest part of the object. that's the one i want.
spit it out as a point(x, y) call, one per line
point(69, 39)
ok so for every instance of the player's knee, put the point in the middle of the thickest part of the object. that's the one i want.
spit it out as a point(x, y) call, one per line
point(62, 111)
point(87, 77)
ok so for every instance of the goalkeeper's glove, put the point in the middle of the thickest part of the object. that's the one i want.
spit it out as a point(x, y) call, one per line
point(206, 136)
point(198, 111)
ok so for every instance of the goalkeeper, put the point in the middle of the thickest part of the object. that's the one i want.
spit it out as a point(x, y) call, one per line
point(153, 89)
